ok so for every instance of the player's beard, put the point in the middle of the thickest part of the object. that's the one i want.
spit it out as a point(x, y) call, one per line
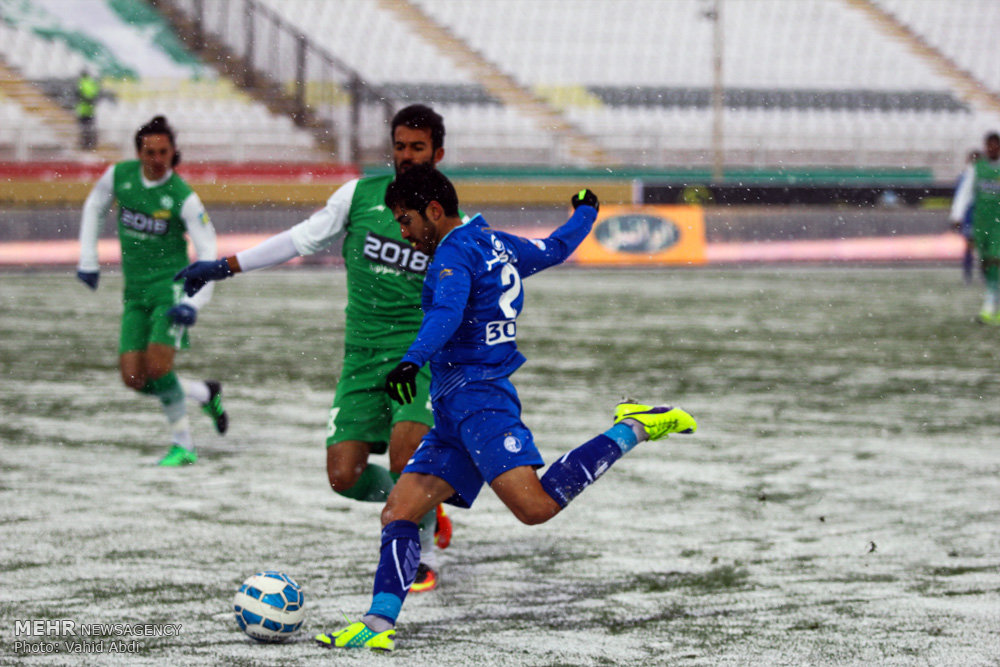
point(406, 164)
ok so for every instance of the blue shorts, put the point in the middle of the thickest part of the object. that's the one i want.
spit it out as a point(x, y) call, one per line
point(478, 435)
point(966, 226)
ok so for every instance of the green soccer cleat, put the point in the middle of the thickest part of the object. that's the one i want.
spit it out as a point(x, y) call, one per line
point(359, 635)
point(987, 317)
point(178, 456)
point(213, 408)
point(658, 421)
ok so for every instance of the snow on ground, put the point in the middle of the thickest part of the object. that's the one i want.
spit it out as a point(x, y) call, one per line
point(838, 504)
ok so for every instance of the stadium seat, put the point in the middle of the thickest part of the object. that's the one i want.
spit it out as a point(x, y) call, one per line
point(200, 110)
point(633, 75)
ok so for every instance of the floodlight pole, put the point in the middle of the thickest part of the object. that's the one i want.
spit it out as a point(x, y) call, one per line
point(718, 93)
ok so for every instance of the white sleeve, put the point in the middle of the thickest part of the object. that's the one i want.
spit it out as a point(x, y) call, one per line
point(95, 210)
point(270, 252)
point(323, 226)
point(202, 234)
point(963, 195)
point(312, 234)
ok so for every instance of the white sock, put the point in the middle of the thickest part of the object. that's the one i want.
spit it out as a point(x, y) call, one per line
point(428, 556)
point(426, 526)
point(180, 431)
point(196, 390)
point(637, 428)
point(376, 623)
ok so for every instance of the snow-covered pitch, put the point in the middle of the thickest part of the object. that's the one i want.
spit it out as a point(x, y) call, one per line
point(838, 505)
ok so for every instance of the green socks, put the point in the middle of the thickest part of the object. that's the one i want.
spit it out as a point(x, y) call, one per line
point(373, 485)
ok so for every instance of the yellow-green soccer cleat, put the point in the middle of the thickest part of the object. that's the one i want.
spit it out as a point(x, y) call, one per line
point(359, 635)
point(986, 317)
point(178, 456)
point(658, 420)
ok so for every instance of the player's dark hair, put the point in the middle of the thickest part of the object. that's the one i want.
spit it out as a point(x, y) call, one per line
point(420, 117)
point(158, 125)
point(418, 186)
point(992, 136)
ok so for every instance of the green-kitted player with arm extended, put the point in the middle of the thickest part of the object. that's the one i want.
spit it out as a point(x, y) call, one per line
point(155, 210)
point(385, 275)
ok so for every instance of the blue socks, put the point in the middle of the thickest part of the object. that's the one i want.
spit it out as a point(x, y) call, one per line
point(569, 476)
point(397, 568)
point(624, 436)
point(564, 480)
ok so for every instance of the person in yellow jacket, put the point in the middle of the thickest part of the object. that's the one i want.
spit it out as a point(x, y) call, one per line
point(88, 89)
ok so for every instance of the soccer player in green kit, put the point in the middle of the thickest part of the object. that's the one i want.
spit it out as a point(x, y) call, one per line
point(980, 188)
point(155, 209)
point(385, 276)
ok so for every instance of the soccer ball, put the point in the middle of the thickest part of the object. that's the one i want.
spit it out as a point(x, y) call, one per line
point(268, 606)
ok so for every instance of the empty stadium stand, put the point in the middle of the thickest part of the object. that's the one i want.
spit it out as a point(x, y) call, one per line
point(41, 48)
point(862, 83)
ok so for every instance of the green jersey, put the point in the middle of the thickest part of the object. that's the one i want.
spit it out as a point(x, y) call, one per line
point(150, 226)
point(384, 273)
point(986, 208)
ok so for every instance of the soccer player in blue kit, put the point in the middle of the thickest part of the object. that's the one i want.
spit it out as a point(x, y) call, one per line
point(472, 295)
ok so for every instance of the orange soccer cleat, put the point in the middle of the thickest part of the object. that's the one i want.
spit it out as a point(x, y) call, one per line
point(442, 529)
point(426, 579)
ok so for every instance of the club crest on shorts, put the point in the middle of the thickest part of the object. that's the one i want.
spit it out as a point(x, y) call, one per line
point(512, 444)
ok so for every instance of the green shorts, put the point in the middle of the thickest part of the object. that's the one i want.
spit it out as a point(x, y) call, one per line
point(362, 410)
point(987, 241)
point(145, 321)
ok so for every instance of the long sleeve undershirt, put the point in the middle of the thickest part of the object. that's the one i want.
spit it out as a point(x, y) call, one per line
point(307, 237)
point(99, 203)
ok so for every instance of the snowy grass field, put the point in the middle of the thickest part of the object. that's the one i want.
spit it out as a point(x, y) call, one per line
point(840, 503)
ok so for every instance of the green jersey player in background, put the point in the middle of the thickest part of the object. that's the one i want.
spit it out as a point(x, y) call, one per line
point(384, 280)
point(155, 209)
point(980, 189)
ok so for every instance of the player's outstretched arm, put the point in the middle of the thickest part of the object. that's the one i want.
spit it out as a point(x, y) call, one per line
point(95, 209)
point(572, 233)
point(535, 256)
point(307, 237)
point(276, 250)
point(198, 274)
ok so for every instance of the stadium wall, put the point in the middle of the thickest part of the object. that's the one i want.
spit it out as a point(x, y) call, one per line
point(55, 183)
point(836, 215)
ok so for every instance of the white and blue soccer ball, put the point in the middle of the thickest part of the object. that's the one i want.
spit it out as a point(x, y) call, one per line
point(269, 606)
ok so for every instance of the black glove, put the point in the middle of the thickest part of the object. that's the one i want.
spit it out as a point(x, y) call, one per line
point(401, 383)
point(197, 274)
point(89, 278)
point(184, 314)
point(585, 197)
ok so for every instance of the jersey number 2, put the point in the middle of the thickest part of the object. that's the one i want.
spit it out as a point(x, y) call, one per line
point(502, 331)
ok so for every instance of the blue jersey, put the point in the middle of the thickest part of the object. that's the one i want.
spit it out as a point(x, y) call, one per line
point(472, 295)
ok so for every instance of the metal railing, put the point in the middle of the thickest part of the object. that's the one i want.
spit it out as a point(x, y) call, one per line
point(321, 89)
